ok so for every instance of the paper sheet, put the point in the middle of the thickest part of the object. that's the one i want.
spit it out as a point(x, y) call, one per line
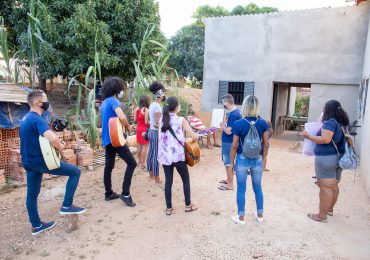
point(308, 146)
point(217, 117)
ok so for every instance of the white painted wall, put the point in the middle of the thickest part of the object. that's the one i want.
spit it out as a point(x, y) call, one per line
point(347, 95)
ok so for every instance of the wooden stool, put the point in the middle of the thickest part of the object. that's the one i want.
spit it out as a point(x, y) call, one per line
point(71, 222)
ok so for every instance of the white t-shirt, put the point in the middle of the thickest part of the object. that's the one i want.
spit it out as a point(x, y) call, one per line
point(153, 109)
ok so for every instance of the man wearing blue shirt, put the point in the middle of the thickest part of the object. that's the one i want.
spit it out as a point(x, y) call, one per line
point(32, 126)
point(111, 91)
point(233, 114)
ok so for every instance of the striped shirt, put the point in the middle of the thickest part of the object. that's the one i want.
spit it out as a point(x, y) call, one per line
point(196, 122)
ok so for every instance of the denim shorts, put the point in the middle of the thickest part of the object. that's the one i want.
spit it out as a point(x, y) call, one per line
point(327, 167)
point(226, 149)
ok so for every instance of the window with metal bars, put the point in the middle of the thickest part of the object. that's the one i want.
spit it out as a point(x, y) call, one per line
point(239, 90)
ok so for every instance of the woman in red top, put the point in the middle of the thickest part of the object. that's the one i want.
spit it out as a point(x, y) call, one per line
point(142, 118)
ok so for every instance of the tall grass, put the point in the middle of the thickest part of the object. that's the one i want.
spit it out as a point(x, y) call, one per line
point(87, 123)
point(151, 64)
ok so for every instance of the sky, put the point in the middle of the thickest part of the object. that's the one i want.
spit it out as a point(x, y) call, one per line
point(177, 13)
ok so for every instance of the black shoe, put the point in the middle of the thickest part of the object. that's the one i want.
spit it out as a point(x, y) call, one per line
point(127, 200)
point(113, 196)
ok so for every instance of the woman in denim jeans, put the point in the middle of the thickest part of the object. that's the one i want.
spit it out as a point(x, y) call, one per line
point(250, 111)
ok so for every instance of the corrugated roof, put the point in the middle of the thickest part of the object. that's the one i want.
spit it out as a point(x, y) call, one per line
point(12, 93)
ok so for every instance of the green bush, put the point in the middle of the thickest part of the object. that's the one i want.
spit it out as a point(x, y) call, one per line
point(298, 104)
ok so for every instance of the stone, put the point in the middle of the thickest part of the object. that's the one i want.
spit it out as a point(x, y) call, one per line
point(71, 222)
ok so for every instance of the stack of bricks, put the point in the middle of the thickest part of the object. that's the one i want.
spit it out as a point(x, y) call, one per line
point(16, 171)
point(69, 156)
point(2, 178)
point(84, 153)
point(5, 136)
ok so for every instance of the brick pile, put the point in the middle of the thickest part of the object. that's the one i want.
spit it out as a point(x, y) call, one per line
point(77, 152)
point(2, 178)
point(69, 156)
point(84, 153)
point(16, 171)
point(6, 138)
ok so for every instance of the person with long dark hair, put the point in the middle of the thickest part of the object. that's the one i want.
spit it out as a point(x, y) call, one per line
point(155, 114)
point(141, 116)
point(113, 90)
point(330, 145)
point(171, 154)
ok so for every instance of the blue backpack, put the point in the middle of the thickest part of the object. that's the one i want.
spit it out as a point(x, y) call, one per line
point(349, 160)
point(252, 143)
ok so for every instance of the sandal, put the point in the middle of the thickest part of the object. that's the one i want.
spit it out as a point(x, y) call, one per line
point(224, 187)
point(223, 181)
point(315, 217)
point(169, 211)
point(190, 208)
point(330, 213)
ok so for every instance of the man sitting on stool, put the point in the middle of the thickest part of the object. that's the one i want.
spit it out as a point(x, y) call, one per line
point(201, 129)
point(32, 126)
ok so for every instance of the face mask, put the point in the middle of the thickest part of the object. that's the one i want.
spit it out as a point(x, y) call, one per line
point(120, 95)
point(45, 105)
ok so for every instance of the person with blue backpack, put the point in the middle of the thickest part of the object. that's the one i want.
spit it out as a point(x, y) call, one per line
point(249, 147)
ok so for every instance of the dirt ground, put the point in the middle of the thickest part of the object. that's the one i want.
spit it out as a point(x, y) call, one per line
point(110, 230)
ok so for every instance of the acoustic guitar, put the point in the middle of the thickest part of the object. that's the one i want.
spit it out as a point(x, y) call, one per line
point(192, 152)
point(116, 132)
point(50, 154)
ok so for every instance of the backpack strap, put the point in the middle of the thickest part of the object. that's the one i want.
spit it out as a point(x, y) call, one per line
point(335, 146)
point(344, 137)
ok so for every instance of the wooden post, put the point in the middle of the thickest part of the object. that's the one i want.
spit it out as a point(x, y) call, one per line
point(71, 222)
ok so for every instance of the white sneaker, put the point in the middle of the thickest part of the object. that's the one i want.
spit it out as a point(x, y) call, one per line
point(259, 220)
point(237, 221)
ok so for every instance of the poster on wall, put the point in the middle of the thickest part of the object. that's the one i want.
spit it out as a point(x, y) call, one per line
point(364, 86)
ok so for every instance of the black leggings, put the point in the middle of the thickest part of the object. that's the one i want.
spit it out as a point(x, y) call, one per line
point(110, 158)
point(182, 169)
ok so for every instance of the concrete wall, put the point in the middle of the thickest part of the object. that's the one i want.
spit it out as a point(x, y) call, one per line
point(312, 46)
point(363, 139)
point(347, 95)
point(282, 102)
point(293, 99)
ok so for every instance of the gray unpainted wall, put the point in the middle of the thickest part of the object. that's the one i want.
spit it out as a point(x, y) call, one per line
point(347, 95)
point(323, 46)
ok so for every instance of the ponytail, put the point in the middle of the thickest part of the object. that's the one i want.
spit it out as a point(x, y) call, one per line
point(170, 106)
point(166, 118)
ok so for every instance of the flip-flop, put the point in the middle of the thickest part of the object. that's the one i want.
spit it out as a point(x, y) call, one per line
point(311, 216)
point(169, 211)
point(330, 213)
point(223, 181)
point(223, 187)
point(191, 208)
point(216, 145)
